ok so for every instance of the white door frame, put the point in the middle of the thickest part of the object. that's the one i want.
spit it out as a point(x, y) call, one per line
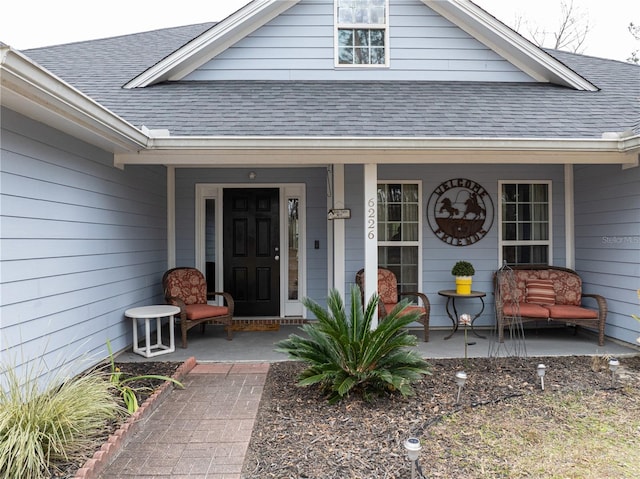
point(205, 191)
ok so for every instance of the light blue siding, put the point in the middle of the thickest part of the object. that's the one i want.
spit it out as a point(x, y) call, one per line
point(316, 220)
point(299, 45)
point(608, 241)
point(81, 241)
point(437, 256)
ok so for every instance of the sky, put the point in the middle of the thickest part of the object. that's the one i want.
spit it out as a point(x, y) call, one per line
point(28, 24)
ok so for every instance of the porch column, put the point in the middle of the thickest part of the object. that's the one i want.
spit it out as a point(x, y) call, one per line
point(171, 217)
point(569, 218)
point(371, 234)
point(338, 231)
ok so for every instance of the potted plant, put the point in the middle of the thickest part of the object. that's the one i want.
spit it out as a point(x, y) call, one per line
point(463, 271)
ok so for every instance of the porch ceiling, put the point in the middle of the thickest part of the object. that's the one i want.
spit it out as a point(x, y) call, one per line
point(261, 151)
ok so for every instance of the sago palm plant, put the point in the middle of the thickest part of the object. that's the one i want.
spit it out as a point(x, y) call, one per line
point(344, 354)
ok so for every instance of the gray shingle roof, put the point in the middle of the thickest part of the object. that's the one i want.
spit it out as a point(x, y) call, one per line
point(99, 68)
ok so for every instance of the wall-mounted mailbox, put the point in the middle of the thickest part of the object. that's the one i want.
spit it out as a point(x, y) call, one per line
point(339, 214)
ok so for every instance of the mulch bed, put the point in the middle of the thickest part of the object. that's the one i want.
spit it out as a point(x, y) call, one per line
point(299, 435)
point(144, 389)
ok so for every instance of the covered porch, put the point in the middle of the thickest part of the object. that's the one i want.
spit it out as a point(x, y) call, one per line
point(342, 223)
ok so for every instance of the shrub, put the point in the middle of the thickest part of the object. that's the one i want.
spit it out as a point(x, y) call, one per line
point(463, 268)
point(40, 426)
point(344, 354)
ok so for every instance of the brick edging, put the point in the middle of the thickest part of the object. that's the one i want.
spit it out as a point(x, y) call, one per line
point(116, 441)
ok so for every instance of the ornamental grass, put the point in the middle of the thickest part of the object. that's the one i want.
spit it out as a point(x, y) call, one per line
point(50, 420)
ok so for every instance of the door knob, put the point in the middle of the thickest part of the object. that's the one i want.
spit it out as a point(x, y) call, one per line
point(277, 258)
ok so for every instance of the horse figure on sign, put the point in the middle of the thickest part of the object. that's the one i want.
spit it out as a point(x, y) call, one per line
point(472, 206)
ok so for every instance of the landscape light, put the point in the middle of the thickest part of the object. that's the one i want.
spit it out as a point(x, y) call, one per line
point(413, 447)
point(613, 366)
point(461, 378)
point(542, 369)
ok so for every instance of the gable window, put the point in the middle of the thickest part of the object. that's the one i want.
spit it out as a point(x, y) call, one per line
point(361, 32)
point(399, 232)
point(525, 222)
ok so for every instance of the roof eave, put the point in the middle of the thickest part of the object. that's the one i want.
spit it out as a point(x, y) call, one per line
point(509, 44)
point(214, 41)
point(301, 151)
point(33, 91)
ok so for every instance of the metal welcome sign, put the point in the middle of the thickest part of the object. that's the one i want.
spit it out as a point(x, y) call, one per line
point(460, 212)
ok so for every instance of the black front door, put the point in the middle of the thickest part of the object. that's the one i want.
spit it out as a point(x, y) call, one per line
point(252, 250)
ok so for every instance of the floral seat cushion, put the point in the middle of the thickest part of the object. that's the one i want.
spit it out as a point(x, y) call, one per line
point(187, 284)
point(567, 286)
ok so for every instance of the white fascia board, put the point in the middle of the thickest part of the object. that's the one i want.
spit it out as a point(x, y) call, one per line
point(33, 91)
point(280, 151)
point(385, 143)
point(631, 144)
point(632, 147)
point(212, 42)
point(507, 43)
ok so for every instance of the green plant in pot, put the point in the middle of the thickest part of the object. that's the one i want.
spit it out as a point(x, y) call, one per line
point(463, 271)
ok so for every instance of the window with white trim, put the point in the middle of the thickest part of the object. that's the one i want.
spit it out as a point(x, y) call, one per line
point(525, 222)
point(399, 226)
point(362, 32)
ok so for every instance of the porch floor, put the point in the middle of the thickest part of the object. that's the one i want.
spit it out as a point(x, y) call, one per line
point(258, 346)
point(190, 435)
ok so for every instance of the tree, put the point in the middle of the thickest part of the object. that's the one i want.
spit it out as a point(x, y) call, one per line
point(570, 33)
point(634, 30)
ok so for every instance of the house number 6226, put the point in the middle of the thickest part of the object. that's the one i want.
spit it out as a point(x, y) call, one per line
point(371, 219)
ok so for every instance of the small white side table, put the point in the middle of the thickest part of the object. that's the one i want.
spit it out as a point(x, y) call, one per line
point(147, 313)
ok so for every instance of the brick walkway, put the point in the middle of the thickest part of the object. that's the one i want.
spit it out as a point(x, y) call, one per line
point(200, 432)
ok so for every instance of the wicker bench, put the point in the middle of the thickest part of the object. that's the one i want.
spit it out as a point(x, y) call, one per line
point(545, 293)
